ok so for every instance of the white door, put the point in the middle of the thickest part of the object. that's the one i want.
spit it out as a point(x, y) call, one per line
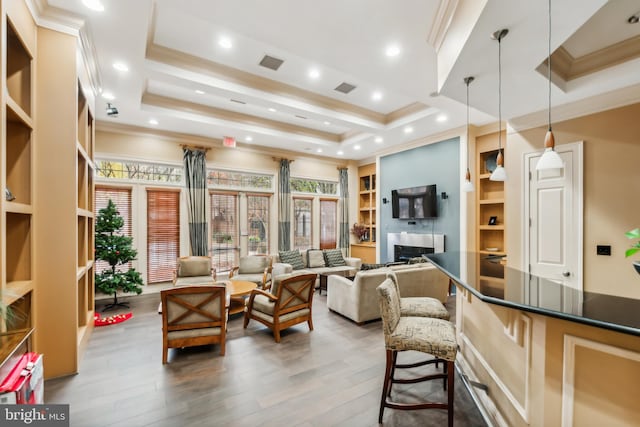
point(553, 202)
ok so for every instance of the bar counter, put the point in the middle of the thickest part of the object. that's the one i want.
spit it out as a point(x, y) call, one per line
point(539, 353)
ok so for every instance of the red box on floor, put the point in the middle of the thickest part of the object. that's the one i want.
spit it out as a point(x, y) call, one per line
point(25, 382)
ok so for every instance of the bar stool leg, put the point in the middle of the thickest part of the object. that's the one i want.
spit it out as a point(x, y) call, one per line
point(386, 385)
point(393, 372)
point(450, 366)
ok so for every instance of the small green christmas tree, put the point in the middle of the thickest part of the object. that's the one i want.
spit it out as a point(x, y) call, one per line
point(115, 249)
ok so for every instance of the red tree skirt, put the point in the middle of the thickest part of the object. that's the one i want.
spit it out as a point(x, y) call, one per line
point(111, 320)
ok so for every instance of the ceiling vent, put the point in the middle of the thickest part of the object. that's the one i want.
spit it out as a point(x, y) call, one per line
point(237, 101)
point(345, 87)
point(271, 63)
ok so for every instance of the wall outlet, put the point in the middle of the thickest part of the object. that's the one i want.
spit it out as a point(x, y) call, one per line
point(603, 250)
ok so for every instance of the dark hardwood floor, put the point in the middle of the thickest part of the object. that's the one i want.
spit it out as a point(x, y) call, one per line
point(329, 377)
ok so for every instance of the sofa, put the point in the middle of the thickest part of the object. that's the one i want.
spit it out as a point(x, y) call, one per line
point(314, 260)
point(357, 299)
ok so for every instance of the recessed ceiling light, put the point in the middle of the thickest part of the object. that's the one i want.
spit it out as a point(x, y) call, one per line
point(94, 5)
point(392, 50)
point(356, 147)
point(327, 122)
point(273, 110)
point(225, 43)
point(408, 129)
point(376, 96)
point(314, 73)
point(248, 139)
point(319, 150)
point(199, 92)
point(441, 118)
point(153, 122)
point(120, 66)
point(378, 140)
point(340, 153)
point(108, 96)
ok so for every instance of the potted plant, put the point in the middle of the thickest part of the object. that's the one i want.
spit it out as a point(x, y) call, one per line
point(360, 231)
point(634, 234)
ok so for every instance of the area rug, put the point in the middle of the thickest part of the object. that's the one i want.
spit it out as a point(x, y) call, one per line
point(111, 320)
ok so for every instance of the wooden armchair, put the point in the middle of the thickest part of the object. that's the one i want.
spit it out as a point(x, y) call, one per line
point(289, 304)
point(194, 270)
point(193, 315)
point(254, 268)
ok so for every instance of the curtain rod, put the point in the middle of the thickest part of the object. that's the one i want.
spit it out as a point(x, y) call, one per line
point(195, 147)
point(277, 159)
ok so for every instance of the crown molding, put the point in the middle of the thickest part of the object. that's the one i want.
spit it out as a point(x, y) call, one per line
point(441, 23)
point(56, 19)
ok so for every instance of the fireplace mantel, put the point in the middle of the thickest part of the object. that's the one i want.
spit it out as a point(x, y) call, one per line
point(414, 239)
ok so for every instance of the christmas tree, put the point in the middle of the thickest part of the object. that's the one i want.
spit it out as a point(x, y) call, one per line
point(114, 248)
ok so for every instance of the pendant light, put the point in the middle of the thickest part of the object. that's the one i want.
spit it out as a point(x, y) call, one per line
point(499, 173)
point(467, 187)
point(550, 158)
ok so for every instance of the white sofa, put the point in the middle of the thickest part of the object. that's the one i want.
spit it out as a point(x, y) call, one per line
point(358, 300)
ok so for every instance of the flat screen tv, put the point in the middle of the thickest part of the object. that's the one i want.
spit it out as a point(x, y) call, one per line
point(415, 202)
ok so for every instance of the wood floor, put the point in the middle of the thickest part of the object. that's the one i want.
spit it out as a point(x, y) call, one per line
point(329, 377)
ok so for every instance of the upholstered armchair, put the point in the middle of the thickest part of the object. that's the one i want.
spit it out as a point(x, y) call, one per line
point(193, 315)
point(289, 303)
point(253, 268)
point(194, 270)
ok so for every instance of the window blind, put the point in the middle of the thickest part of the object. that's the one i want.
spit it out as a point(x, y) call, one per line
point(224, 230)
point(328, 223)
point(163, 234)
point(121, 197)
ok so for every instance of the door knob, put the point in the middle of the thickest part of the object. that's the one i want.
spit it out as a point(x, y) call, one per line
point(566, 274)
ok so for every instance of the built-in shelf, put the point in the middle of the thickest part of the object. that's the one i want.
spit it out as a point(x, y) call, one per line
point(491, 227)
point(366, 250)
point(16, 290)
point(491, 202)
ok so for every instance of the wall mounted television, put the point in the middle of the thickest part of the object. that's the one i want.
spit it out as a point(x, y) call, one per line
point(415, 202)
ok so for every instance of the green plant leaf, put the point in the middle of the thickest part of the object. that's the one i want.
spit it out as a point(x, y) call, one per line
point(631, 251)
point(633, 234)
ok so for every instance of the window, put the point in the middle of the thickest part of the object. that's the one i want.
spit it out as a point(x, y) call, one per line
point(224, 230)
point(328, 223)
point(239, 180)
point(122, 199)
point(303, 185)
point(258, 223)
point(138, 171)
point(163, 234)
point(302, 237)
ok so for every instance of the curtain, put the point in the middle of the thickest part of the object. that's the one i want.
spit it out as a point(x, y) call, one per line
point(195, 170)
point(343, 230)
point(284, 207)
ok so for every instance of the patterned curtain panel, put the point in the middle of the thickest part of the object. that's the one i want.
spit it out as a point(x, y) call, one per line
point(195, 170)
point(284, 207)
point(343, 226)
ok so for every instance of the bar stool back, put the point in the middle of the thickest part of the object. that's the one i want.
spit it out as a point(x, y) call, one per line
point(427, 335)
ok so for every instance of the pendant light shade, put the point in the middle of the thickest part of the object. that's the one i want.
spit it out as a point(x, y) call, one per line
point(499, 174)
point(467, 187)
point(550, 158)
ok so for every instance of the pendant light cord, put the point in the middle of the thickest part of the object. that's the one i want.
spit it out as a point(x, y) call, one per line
point(549, 63)
point(468, 81)
point(499, 93)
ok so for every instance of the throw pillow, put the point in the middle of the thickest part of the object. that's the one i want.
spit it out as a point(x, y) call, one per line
point(315, 258)
point(194, 266)
point(292, 257)
point(334, 258)
point(371, 266)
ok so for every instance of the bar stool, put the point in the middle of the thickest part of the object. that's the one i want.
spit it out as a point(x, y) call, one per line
point(419, 306)
point(427, 335)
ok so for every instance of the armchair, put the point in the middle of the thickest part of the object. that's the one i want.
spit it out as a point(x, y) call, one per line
point(289, 304)
point(194, 270)
point(253, 268)
point(193, 315)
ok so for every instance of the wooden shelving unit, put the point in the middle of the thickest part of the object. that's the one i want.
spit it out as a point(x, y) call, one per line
point(366, 249)
point(64, 244)
point(17, 171)
point(489, 203)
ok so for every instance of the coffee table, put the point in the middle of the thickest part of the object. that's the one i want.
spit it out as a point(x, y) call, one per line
point(349, 274)
point(237, 290)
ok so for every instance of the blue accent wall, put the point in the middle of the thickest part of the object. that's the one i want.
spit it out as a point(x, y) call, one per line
point(437, 163)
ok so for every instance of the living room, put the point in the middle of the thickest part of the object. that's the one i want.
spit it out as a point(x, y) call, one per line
point(409, 122)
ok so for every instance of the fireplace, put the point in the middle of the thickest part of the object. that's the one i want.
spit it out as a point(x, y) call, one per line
point(403, 246)
point(403, 253)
